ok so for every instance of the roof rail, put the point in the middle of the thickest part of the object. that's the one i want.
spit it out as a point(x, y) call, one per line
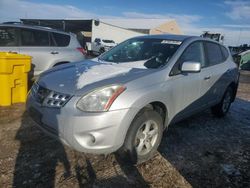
point(12, 23)
point(29, 25)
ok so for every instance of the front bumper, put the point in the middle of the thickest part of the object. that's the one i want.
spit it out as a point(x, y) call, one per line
point(99, 133)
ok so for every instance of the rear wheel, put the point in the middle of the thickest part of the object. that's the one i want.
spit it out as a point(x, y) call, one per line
point(222, 108)
point(143, 137)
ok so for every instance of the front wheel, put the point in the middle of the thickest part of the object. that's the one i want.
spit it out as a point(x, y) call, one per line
point(143, 137)
point(222, 108)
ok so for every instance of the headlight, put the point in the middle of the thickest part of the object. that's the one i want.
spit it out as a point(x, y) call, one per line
point(101, 99)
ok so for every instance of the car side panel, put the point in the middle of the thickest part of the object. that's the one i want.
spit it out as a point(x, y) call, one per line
point(41, 56)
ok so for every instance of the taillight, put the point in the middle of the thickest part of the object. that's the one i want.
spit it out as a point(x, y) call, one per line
point(82, 50)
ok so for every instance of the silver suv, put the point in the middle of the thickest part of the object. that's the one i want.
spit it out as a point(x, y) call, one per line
point(124, 100)
point(47, 47)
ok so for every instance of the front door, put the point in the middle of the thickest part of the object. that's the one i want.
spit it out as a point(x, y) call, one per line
point(187, 86)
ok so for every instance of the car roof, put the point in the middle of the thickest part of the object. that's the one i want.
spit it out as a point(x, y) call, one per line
point(20, 25)
point(168, 37)
point(181, 38)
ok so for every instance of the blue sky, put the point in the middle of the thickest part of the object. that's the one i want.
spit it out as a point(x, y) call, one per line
point(226, 16)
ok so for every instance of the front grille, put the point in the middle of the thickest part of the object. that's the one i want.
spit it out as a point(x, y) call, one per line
point(49, 98)
point(56, 99)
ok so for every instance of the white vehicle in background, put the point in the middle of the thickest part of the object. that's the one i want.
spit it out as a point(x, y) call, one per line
point(104, 36)
point(100, 46)
point(47, 47)
point(94, 35)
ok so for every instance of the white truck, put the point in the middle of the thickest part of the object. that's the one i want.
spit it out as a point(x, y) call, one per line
point(100, 46)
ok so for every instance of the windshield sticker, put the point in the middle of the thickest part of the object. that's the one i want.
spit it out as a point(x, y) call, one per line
point(171, 42)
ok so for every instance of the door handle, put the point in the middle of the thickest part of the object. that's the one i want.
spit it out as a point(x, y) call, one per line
point(54, 52)
point(207, 78)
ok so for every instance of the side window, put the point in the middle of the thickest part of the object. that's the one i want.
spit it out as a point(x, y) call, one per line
point(214, 54)
point(194, 52)
point(61, 39)
point(8, 36)
point(30, 37)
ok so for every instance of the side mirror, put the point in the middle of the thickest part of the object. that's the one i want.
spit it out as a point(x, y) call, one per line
point(190, 66)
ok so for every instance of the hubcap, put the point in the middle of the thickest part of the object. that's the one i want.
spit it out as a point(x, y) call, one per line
point(226, 102)
point(146, 137)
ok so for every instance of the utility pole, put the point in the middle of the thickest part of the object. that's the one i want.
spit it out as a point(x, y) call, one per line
point(239, 36)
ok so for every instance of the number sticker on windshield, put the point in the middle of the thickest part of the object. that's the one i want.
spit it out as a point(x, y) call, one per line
point(171, 42)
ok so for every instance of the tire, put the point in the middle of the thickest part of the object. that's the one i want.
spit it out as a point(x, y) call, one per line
point(221, 109)
point(143, 137)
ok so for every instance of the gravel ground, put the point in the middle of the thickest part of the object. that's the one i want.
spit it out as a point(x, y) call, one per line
point(202, 151)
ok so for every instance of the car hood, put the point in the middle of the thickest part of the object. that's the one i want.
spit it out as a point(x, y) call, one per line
point(81, 77)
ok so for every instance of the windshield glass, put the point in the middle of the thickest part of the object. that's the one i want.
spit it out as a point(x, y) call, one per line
point(155, 52)
point(108, 41)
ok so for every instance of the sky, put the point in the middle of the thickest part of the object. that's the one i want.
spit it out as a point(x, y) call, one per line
point(231, 18)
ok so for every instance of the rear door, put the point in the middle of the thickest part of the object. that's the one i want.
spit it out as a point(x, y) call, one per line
point(9, 39)
point(212, 73)
point(36, 43)
point(64, 48)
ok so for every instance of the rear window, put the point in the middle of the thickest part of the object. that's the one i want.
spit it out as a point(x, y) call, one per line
point(31, 37)
point(61, 39)
point(8, 36)
point(214, 54)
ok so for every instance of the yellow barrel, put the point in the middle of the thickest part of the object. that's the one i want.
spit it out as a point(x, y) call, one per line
point(14, 70)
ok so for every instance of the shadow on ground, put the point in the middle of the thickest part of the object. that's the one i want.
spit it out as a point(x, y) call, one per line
point(38, 157)
point(42, 161)
point(211, 152)
point(202, 151)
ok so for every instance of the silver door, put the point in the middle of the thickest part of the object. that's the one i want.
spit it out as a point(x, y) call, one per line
point(186, 86)
point(36, 44)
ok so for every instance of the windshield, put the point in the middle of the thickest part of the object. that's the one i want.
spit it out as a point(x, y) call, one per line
point(155, 52)
point(108, 41)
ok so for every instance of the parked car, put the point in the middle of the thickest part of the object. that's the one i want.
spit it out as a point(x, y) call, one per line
point(124, 100)
point(47, 47)
point(100, 46)
point(245, 66)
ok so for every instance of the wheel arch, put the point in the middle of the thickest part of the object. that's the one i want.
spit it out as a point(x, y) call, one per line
point(159, 107)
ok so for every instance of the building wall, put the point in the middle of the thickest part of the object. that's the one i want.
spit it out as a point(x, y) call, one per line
point(168, 27)
point(107, 31)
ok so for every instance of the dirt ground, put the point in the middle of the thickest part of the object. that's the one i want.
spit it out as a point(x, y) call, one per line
point(202, 151)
